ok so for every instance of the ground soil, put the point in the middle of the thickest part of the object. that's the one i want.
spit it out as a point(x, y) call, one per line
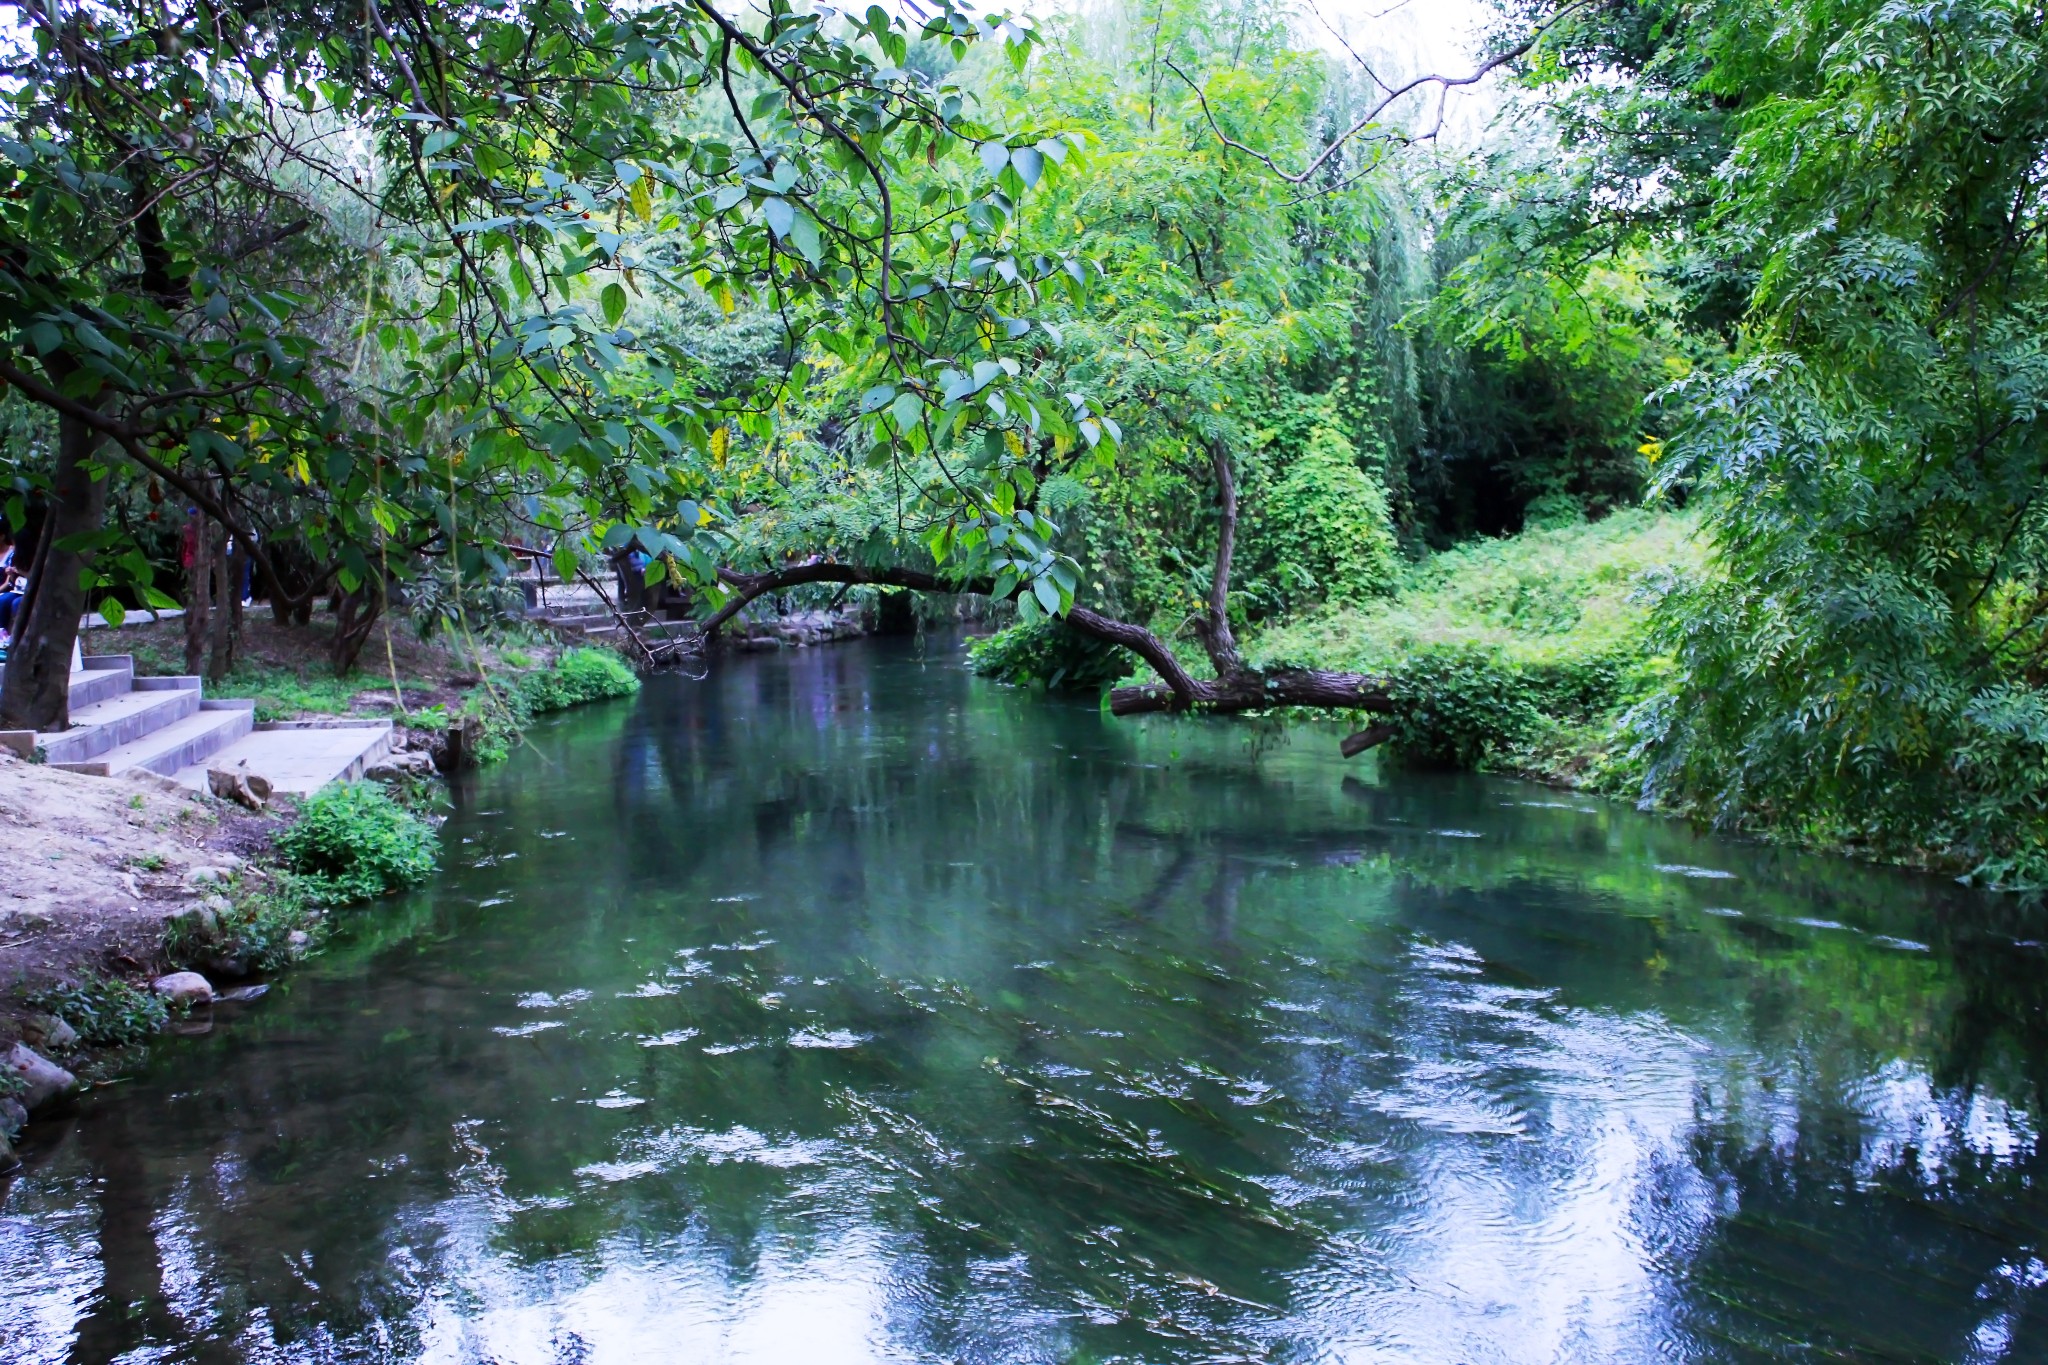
point(92, 868)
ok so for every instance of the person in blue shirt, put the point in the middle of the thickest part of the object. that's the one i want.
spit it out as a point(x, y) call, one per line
point(12, 582)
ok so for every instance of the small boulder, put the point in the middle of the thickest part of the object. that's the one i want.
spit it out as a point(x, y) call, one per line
point(298, 940)
point(199, 921)
point(208, 876)
point(13, 1117)
point(184, 988)
point(398, 766)
point(239, 785)
point(50, 1033)
point(41, 1080)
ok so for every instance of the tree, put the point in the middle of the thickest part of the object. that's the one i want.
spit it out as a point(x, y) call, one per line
point(1864, 663)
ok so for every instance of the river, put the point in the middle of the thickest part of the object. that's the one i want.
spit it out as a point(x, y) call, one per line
point(841, 1007)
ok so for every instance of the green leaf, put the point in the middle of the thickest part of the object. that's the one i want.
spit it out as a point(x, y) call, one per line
point(994, 156)
point(614, 301)
point(1048, 594)
point(905, 410)
point(780, 215)
point(804, 232)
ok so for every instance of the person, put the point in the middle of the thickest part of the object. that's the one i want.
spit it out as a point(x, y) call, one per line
point(12, 582)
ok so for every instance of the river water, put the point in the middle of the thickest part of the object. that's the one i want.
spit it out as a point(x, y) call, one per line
point(841, 1007)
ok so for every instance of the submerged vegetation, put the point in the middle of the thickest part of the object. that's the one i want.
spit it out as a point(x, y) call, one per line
point(1151, 319)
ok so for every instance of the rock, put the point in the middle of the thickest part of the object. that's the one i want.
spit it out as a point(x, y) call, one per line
point(184, 988)
point(239, 785)
point(237, 995)
point(228, 968)
point(298, 940)
point(396, 767)
point(50, 1033)
point(208, 876)
point(13, 1117)
point(42, 1080)
point(199, 921)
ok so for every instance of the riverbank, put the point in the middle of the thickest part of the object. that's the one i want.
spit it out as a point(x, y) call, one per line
point(113, 886)
point(1530, 656)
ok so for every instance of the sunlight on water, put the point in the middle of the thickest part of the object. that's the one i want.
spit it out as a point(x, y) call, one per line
point(842, 1008)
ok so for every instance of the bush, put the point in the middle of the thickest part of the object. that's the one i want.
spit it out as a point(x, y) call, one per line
point(352, 843)
point(105, 1010)
point(1476, 706)
point(1323, 532)
point(1049, 653)
point(579, 676)
point(1519, 654)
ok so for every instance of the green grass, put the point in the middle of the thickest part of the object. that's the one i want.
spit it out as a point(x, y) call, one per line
point(1541, 596)
point(1514, 655)
point(282, 693)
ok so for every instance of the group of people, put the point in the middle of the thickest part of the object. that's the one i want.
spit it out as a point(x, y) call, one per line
point(13, 581)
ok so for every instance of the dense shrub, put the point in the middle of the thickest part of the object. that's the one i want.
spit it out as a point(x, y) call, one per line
point(106, 1011)
point(1323, 533)
point(352, 842)
point(1048, 653)
point(1518, 654)
point(1479, 706)
point(579, 676)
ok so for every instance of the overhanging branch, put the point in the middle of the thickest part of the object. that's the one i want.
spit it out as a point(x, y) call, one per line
point(1242, 690)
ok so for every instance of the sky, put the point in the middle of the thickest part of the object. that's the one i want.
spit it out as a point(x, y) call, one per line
point(1406, 38)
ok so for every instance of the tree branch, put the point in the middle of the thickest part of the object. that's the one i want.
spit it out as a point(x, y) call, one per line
point(1243, 690)
point(1217, 637)
point(1393, 96)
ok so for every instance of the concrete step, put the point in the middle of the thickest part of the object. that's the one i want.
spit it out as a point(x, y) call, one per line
point(103, 676)
point(177, 746)
point(121, 719)
point(299, 759)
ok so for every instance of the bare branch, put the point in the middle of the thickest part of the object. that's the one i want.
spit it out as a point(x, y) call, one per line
point(1395, 95)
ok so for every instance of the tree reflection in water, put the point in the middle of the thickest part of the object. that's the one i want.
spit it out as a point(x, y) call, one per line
point(842, 1007)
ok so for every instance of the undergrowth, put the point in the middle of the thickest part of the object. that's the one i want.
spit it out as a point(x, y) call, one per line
point(1513, 655)
point(580, 675)
point(105, 1010)
point(1050, 653)
point(353, 842)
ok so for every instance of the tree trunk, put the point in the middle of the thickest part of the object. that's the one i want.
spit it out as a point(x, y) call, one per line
point(227, 600)
point(1218, 639)
point(37, 692)
point(355, 616)
point(198, 592)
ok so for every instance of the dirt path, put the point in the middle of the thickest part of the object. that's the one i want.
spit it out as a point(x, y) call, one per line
point(92, 868)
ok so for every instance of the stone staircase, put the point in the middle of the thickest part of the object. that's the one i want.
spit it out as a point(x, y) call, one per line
point(123, 725)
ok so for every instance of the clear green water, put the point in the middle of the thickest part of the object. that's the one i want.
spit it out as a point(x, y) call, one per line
point(844, 1008)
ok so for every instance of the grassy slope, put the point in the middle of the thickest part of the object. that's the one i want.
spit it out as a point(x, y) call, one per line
point(1521, 651)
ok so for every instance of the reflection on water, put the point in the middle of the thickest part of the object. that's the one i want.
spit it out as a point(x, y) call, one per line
point(842, 1008)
